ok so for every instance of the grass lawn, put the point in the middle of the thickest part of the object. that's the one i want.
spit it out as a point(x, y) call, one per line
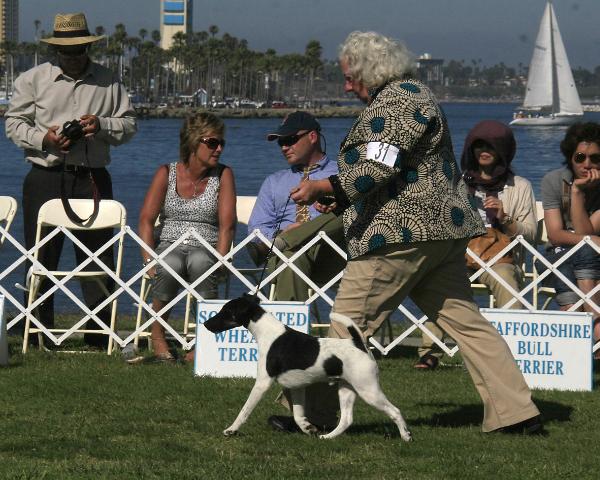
point(90, 416)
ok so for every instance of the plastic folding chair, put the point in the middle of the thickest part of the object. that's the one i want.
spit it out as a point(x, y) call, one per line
point(8, 210)
point(111, 214)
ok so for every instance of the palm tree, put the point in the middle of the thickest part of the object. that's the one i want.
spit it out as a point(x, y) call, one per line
point(312, 53)
point(213, 30)
point(9, 49)
point(36, 24)
point(155, 35)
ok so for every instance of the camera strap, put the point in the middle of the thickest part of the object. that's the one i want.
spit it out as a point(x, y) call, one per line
point(65, 200)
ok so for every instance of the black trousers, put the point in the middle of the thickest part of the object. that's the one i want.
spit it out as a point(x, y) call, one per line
point(43, 184)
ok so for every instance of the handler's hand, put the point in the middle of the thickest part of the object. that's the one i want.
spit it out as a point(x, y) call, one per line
point(319, 207)
point(90, 124)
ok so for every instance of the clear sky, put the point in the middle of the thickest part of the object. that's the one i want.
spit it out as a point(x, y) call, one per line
point(490, 30)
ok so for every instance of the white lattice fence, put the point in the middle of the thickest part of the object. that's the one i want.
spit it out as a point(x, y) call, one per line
point(127, 293)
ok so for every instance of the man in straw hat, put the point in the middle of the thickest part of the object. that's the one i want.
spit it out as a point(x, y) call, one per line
point(70, 88)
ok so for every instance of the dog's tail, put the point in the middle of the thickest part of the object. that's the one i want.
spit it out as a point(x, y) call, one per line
point(357, 337)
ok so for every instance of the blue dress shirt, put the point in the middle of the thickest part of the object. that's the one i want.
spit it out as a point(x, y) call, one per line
point(274, 193)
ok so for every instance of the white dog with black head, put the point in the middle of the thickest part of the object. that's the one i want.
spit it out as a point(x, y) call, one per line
point(296, 360)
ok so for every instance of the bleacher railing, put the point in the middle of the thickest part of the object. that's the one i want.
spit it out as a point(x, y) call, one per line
point(127, 289)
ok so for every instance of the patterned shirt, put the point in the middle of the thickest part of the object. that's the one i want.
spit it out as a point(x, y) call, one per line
point(399, 181)
point(201, 213)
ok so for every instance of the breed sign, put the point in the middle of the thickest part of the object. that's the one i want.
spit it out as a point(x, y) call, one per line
point(552, 349)
point(234, 353)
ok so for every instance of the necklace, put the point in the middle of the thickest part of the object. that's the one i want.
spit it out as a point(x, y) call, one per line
point(196, 183)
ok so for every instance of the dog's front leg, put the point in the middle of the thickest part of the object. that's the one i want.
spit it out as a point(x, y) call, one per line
point(260, 387)
point(298, 403)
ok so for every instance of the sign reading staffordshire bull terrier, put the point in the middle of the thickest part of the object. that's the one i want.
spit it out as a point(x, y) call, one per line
point(552, 349)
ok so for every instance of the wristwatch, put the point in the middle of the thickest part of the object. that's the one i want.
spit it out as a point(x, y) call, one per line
point(507, 220)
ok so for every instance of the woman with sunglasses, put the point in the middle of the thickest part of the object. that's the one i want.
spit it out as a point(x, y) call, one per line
point(195, 192)
point(571, 200)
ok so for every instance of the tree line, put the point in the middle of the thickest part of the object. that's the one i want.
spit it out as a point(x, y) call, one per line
point(224, 67)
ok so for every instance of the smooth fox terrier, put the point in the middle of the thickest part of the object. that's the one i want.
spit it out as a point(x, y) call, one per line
point(296, 360)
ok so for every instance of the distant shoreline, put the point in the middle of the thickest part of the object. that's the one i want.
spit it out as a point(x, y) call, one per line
point(321, 112)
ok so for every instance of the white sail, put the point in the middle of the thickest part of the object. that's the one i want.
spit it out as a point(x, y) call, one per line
point(539, 81)
point(551, 90)
point(568, 98)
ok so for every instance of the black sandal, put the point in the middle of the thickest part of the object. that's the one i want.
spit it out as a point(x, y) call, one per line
point(427, 362)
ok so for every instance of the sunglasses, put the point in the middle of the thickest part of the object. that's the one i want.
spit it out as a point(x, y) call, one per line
point(291, 140)
point(212, 142)
point(73, 52)
point(580, 157)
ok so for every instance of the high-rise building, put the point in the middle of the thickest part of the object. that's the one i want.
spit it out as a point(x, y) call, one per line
point(9, 24)
point(175, 16)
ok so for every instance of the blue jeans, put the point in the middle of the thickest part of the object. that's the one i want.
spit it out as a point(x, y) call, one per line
point(582, 265)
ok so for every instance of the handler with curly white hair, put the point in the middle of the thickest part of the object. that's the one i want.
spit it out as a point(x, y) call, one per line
point(407, 221)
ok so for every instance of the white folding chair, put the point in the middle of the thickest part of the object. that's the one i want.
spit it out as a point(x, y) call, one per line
point(8, 210)
point(548, 292)
point(111, 214)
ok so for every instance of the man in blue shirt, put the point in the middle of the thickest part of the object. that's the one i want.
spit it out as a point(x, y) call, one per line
point(299, 137)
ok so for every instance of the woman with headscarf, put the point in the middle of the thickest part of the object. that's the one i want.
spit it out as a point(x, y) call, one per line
point(505, 202)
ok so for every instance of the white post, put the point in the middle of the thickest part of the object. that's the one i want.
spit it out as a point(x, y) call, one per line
point(3, 336)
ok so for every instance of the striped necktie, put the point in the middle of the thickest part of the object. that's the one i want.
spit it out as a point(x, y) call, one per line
point(302, 213)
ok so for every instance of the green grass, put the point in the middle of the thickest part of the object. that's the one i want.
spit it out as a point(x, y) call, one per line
point(90, 416)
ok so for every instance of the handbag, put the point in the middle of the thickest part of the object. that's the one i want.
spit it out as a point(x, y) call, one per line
point(487, 247)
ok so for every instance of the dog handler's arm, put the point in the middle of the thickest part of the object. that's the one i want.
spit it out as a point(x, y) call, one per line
point(155, 197)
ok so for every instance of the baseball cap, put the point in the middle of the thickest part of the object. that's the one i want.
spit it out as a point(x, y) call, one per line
point(293, 123)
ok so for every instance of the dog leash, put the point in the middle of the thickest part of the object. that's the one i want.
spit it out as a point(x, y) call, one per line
point(262, 273)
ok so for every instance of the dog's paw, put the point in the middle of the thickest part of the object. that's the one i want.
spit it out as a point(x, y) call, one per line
point(230, 432)
point(310, 429)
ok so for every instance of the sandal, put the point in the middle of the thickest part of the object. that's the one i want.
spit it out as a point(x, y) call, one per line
point(427, 362)
point(164, 357)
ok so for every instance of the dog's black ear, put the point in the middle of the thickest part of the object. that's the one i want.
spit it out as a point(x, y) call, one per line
point(252, 298)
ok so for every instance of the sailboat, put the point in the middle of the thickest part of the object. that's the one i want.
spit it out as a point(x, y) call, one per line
point(551, 97)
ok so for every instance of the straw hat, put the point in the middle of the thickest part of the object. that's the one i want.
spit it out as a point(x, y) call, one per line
point(71, 29)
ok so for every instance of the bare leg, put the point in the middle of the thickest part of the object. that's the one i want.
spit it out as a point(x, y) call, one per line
point(157, 332)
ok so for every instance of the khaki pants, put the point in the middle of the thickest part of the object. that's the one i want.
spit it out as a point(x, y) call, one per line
point(320, 262)
point(510, 273)
point(434, 275)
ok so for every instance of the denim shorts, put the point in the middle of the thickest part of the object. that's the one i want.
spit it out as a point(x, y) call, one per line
point(582, 265)
point(190, 263)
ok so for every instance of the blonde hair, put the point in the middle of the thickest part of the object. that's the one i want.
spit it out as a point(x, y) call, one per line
point(375, 59)
point(194, 128)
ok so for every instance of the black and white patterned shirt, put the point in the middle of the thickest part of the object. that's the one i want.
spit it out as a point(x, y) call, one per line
point(398, 178)
point(178, 214)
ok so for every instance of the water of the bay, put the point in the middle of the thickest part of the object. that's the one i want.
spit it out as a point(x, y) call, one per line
point(252, 158)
